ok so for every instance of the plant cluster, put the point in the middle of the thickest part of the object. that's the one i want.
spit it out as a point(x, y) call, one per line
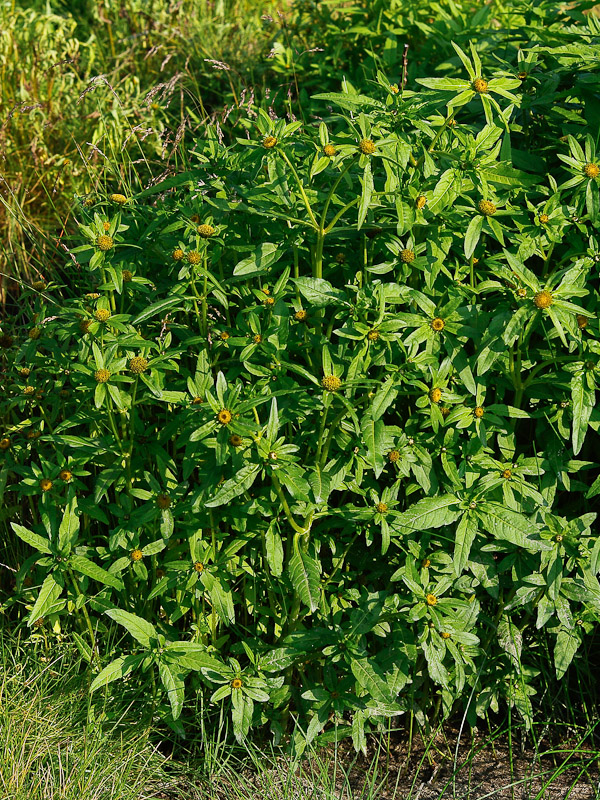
point(318, 426)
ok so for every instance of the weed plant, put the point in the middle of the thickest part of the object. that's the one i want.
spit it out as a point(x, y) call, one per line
point(314, 421)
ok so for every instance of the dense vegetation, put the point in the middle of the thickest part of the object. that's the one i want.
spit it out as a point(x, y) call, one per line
point(313, 418)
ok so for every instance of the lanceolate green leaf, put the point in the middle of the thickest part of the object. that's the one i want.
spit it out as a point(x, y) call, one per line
point(86, 567)
point(235, 486)
point(504, 523)
point(117, 669)
point(139, 628)
point(49, 593)
point(304, 574)
point(429, 513)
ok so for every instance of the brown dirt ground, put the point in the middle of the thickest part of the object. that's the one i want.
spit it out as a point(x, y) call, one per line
point(481, 772)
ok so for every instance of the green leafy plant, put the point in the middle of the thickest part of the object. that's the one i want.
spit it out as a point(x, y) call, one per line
point(325, 405)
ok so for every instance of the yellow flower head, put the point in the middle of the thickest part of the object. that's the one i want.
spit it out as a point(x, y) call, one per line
point(522, 75)
point(381, 508)
point(24, 372)
point(407, 256)
point(118, 198)
point(224, 416)
point(478, 412)
point(224, 335)
point(329, 150)
point(438, 324)
point(163, 501)
point(4, 443)
point(582, 322)
point(105, 242)
point(507, 474)
point(431, 600)
point(543, 218)
point(393, 456)
point(269, 301)
point(106, 226)
point(178, 254)
point(445, 635)
point(65, 475)
point(301, 315)
point(102, 314)
point(235, 440)
point(102, 376)
point(421, 201)
point(269, 142)
point(373, 335)
point(127, 276)
point(591, 170)
point(331, 383)
point(39, 286)
point(486, 207)
point(435, 395)
point(199, 566)
point(257, 338)
point(29, 390)
point(136, 555)
point(480, 86)
point(45, 484)
point(543, 299)
point(366, 147)
point(206, 231)
point(197, 401)
point(426, 563)
point(236, 683)
point(137, 365)
point(194, 257)
point(522, 292)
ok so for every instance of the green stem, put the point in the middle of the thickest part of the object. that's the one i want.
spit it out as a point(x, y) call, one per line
point(301, 189)
point(88, 621)
point(284, 504)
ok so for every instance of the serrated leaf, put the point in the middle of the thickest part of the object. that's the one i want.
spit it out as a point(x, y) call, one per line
point(305, 576)
point(431, 512)
point(86, 567)
point(567, 644)
point(49, 594)
point(235, 486)
point(34, 539)
point(318, 292)
point(259, 261)
point(174, 686)
point(139, 628)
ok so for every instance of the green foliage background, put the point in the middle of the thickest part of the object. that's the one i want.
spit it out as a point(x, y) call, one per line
point(313, 418)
